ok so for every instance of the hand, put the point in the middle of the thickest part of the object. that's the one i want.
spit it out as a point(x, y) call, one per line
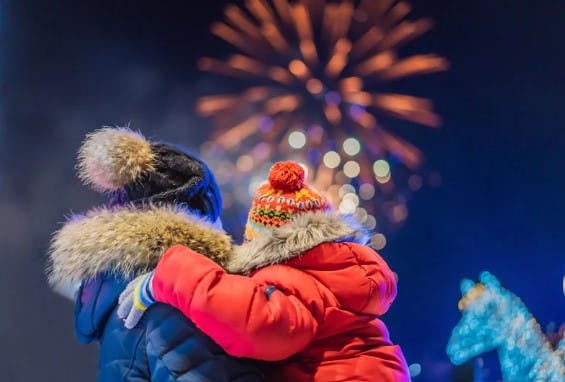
point(135, 300)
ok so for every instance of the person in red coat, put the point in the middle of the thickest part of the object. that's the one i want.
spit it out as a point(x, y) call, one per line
point(308, 295)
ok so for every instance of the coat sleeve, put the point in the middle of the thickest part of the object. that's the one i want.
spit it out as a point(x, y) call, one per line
point(246, 316)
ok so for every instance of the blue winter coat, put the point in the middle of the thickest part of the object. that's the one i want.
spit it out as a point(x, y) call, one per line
point(107, 246)
point(165, 346)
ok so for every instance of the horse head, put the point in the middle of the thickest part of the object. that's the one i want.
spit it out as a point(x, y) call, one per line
point(482, 325)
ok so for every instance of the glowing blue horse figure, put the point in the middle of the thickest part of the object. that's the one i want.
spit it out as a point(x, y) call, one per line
point(496, 319)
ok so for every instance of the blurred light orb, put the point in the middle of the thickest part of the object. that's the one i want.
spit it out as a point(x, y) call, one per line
point(351, 169)
point(298, 68)
point(378, 241)
point(357, 112)
point(266, 124)
point(331, 159)
point(340, 178)
point(346, 189)
point(381, 168)
point(361, 214)
point(366, 191)
point(399, 213)
point(414, 370)
point(297, 139)
point(244, 163)
point(384, 179)
point(353, 197)
point(351, 146)
point(316, 133)
point(314, 86)
point(370, 222)
point(332, 98)
point(347, 206)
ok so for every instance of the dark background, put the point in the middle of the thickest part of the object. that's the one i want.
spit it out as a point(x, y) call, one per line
point(69, 67)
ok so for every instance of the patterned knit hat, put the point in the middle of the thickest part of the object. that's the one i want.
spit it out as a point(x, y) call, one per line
point(131, 169)
point(280, 199)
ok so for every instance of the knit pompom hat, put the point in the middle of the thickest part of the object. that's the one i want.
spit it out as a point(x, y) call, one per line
point(131, 169)
point(280, 199)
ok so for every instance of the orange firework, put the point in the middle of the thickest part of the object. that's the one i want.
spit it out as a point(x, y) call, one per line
point(315, 69)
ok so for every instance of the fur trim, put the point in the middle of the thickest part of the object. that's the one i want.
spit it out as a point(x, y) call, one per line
point(294, 238)
point(111, 158)
point(128, 241)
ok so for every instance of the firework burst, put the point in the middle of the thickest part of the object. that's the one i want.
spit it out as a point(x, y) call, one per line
point(318, 71)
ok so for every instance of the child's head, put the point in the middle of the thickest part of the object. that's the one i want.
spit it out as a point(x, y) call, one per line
point(131, 169)
point(280, 199)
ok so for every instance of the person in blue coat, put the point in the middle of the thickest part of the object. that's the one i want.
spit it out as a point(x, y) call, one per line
point(159, 196)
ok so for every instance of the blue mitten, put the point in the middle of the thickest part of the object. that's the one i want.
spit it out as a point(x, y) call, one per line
point(135, 300)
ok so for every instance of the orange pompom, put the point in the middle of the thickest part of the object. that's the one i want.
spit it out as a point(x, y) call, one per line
point(286, 176)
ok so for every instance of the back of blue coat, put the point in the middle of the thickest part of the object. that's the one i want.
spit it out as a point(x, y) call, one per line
point(164, 347)
point(107, 247)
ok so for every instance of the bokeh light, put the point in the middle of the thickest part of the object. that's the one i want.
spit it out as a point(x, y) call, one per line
point(314, 86)
point(331, 159)
point(381, 168)
point(346, 189)
point(319, 87)
point(378, 241)
point(351, 146)
point(347, 206)
point(366, 191)
point(351, 169)
point(352, 197)
point(399, 213)
point(297, 139)
point(414, 369)
point(370, 222)
point(415, 182)
point(361, 214)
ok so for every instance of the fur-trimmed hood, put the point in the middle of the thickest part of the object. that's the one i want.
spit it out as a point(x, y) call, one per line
point(128, 241)
point(304, 232)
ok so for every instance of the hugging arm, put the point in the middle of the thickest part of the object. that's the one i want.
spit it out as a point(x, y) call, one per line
point(245, 316)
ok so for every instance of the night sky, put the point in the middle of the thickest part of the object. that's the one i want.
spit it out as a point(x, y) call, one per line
point(69, 67)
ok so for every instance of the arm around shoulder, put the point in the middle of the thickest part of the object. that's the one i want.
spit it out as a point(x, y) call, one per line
point(244, 315)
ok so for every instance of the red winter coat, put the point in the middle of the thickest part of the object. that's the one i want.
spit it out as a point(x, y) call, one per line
point(311, 300)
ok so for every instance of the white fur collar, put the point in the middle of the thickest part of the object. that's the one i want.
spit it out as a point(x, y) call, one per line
point(128, 241)
point(294, 238)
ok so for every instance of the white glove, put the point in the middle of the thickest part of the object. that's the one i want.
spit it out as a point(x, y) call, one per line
point(135, 300)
